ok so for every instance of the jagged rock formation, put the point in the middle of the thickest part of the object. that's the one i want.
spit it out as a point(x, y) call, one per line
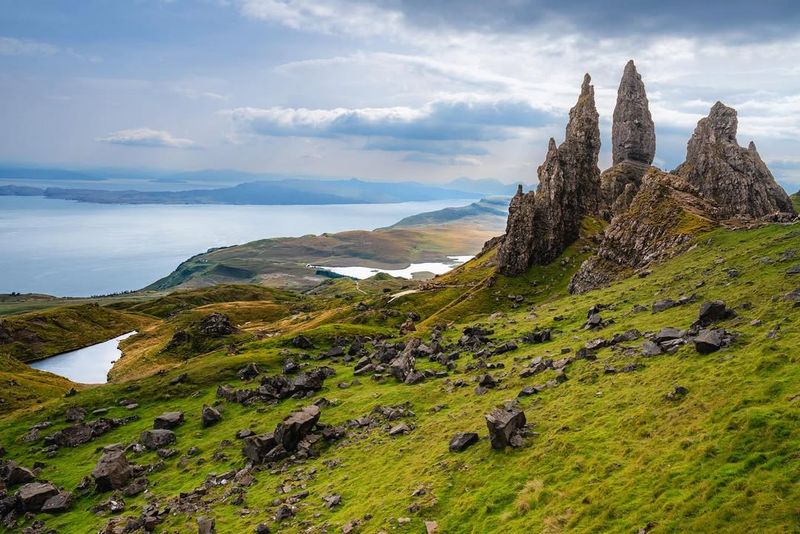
point(633, 132)
point(633, 141)
point(542, 224)
point(733, 177)
point(662, 219)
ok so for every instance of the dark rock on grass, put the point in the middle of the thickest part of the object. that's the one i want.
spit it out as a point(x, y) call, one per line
point(180, 379)
point(595, 344)
point(594, 322)
point(332, 501)
point(677, 393)
point(210, 416)
point(285, 511)
point(631, 367)
point(216, 325)
point(662, 305)
point(157, 438)
point(668, 334)
point(248, 372)
point(58, 503)
point(403, 366)
point(244, 433)
point(12, 474)
point(713, 311)
point(538, 336)
point(112, 471)
point(708, 341)
point(650, 348)
point(33, 495)
point(302, 342)
point(527, 391)
point(75, 414)
point(626, 336)
point(206, 525)
point(72, 436)
point(795, 269)
point(168, 420)
point(400, 429)
point(258, 448)
point(136, 487)
point(505, 424)
point(290, 366)
point(462, 440)
point(487, 381)
point(296, 426)
point(262, 529)
point(334, 352)
point(505, 347)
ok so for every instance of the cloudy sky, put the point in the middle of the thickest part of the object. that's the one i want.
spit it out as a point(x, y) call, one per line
point(383, 89)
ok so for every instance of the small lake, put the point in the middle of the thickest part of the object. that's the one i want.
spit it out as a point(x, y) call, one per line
point(68, 248)
point(362, 273)
point(89, 365)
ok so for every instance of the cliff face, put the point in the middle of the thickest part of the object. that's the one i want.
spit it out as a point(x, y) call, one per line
point(733, 177)
point(542, 224)
point(659, 223)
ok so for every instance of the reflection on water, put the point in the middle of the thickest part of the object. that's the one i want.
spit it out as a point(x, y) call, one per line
point(362, 273)
point(89, 365)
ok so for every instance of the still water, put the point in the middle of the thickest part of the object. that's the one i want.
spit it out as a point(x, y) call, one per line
point(68, 248)
point(89, 365)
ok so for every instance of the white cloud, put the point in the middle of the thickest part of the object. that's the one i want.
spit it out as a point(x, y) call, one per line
point(146, 137)
point(11, 46)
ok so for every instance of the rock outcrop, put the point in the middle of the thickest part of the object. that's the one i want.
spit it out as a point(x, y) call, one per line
point(662, 219)
point(542, 224)
point(633, 140)
point(633, 133)
point(736, 179)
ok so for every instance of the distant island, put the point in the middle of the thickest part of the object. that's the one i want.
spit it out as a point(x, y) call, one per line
point(280, 191)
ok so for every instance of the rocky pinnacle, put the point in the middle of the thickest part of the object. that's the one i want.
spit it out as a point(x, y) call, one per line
point(736, 179)
point(633, 133)
point(541, 225)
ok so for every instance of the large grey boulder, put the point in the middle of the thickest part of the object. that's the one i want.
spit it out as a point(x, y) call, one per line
point(157, 438)
point(112, 471)
point(296, 426)
point(504, 424)
point(168, 420)
point(32, 496)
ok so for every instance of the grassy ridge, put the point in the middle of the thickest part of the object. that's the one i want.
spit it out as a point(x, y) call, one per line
point(609, 453)
point(36, 335)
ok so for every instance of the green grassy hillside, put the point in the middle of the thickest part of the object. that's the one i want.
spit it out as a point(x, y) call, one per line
point(36, 335)
point(608, 452)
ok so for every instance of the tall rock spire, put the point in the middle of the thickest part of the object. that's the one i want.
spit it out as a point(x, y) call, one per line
point(733, 177)
point(633, 133)
point(540, 226)
point(633, 139)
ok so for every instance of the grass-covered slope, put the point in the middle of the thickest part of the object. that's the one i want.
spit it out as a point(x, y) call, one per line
point(608, 453)
point(36, 335)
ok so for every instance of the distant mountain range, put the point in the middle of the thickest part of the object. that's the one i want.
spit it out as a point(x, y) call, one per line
point(258, 190)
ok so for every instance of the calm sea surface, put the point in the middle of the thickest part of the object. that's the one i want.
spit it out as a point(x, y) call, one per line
point(67, 248)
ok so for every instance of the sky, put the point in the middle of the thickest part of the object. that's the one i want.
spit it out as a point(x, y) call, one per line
point(385, 89)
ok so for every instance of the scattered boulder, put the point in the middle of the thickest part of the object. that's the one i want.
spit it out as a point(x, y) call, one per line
point(505, 424)
point(248, 372)
point(302, 342)
point(157, 438)
point(75, 414)
point(216, 325)
point(713, 311)
point(662, 305)
point(677, 393)
point(711, 340)
point(58, 503)
point(34, 495)
point(210, 416)
point(112, 471)
point(296, 426)
point(462, 440)
point(168, 420)
point(13, 474)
